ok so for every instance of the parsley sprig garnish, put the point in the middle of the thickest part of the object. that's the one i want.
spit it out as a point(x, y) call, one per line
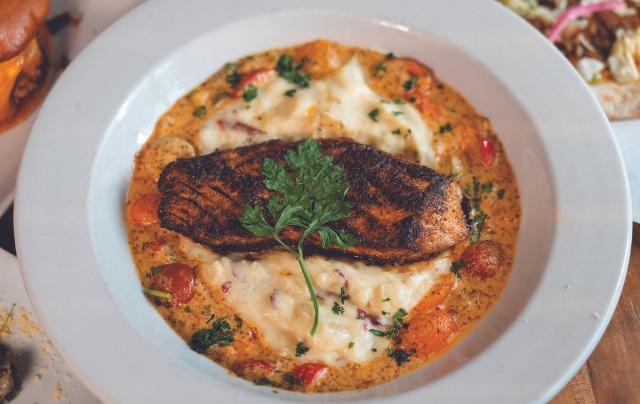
point(312, 198)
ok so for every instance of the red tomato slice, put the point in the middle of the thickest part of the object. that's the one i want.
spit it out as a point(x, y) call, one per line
point(254, 77)
point(487, 152)
point(308, 372)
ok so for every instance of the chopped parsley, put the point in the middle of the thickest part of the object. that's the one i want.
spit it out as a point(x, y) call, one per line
point(379, 68)
point(409, 84)
point(396, 113)
point(401, 356)
point(301, 349)
point(386, 299)
point(501, 194)
point(393, 331)
point(343, 295)
point(156, 270)
point(290, 93)
point(456, 266)
point(351, 344)
point(337, 309)
point(219, 334)
point(201, 110)
point(292, 73)
point(396, 132)
point(487, 187)
point(399, 101)
point(374, 114)
point(390, 56)
point(234, 79)
point(250, 93)
point(446, 128)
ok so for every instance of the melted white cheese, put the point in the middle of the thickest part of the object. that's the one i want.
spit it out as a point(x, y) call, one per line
point(337, 106)
point(271, 293)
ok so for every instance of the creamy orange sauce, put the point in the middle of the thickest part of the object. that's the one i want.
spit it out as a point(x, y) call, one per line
point(465, 147)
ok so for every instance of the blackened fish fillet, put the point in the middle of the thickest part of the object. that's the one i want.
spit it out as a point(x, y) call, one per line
point(403, 211)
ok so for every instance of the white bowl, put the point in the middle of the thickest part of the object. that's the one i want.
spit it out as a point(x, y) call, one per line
point(576, 223)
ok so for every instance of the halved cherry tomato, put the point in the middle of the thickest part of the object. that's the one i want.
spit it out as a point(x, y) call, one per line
point(487, 152)
point(144, 211)
point(178, 280)
point(309, 372)
point(254, 77)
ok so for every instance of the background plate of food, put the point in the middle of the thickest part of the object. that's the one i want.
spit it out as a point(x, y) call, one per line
point(533, 178)
point(600, 38)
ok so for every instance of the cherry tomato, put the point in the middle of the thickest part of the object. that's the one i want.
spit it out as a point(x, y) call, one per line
point(144, 211)
point(483, 259)
point(178, 280)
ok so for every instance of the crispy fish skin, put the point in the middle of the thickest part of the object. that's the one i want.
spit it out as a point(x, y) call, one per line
point(403, 211)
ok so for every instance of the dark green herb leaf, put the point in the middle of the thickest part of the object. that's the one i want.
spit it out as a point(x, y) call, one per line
point(200, 111)
point(456, 266)
point(301, 349)
point(234, 79)
point(374, 115)
point(219, 334)
point(250, 92)
point(290, 93)
point(446, 128)
point(408, 85)
point(337, 309)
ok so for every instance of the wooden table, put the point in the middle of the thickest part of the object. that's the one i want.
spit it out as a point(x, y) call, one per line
point(610, 375)
point(612, 372)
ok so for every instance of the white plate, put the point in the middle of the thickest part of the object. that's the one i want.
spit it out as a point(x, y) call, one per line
point(627, 133)
point(96, 15)
point(43, 374)
point(576, 224)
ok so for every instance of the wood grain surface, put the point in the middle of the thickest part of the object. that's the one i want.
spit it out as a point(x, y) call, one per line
point(611, 375)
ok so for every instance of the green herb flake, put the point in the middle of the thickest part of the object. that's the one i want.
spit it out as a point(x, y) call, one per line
point(401, 356)
point(446, 128)
point(337, 309)
point(456, 266)
point(301, 349)
point(290, 93)
point(396, 132)
point(219, 334)
point(200, 111)
point(487, 187)
point(393, 331)
point(501, 194)
point(399, 101)
point(475, 236)
point(409, 84)
point(187, 309)
point(351, 344)
point(374, 350)
point(250, 93)
point(308, 201)
point(234, 79)
point(292, 73)
point(379, 68)
point(343, 295)
point(156, 270)
point(386, 299)
point(396, 113)
point(374, 114)
point(390, 56)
